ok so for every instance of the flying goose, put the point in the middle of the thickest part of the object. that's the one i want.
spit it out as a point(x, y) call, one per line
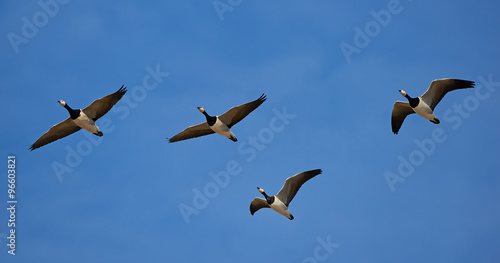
point(424, 105)
point(80, 119)
point(282, 199)
point(219, 124)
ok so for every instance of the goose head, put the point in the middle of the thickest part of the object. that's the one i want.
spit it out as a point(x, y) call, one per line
point(62, 102)
point(269, 199)
point(403, 93)
point(201, 109)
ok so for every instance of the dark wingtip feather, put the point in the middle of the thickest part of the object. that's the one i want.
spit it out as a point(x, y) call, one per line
point(317, 171)
point(394, 130)
point(170, 140)
point(122, 90)
point(393, 126)
point(262, 97)
point(465, 84)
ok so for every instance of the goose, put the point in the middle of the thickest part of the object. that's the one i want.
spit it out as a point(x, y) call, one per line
point(424, 105)
point(282, 199)
point(219, 124)
point(80, 118)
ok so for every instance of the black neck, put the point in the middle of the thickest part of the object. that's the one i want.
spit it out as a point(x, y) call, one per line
point(413, 101)
point(269, 199)
point(210, 119)
point(72, 113)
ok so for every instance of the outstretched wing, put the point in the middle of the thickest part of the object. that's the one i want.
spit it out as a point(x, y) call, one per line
point(257, 204)
point(236, 114)
point(57, 132)
point(440, 87)
point(293, 184)
point(201, 129)
point(101, 106)
point(399, 112)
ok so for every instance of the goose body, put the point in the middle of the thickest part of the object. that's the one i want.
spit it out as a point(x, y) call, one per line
point(424, 105)
point(80, 119)
point(83, 121)
point(282, 199)
point(425, 111)
point(219, 124)
point(281, 208)
point(222, 129)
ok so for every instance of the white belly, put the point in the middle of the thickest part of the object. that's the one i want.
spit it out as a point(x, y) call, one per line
point(424, 110)
point(86, 123)
point(280, 207)
point(222, 129)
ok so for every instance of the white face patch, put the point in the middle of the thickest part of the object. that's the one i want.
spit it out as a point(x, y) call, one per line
point(261, 190)
point(201, 109)
point(62, 102)
point(402, 92)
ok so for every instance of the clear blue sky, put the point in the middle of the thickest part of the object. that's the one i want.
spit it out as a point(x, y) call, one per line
point(334, 68)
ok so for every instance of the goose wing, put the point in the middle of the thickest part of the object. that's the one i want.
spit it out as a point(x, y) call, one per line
point(101, 106)
point(257, 204)
point(194, 131)
point(293, 184)
point(236, 114)
point(399, 112)
point(440, 87)
point(57, 132)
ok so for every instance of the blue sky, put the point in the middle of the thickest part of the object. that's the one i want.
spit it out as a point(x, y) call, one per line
point(117, 199)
